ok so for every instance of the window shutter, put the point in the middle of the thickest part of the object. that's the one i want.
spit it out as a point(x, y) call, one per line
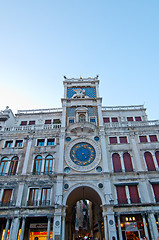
point(114, 119)
point(6, 196)
point(113, 140)
point(116, 162)
point(137, 119)
point(106, 120)
point(134, 195)
point(149, 161)
point(157, 156)
point(127, 162)
point(123, 139)
point(130, 119)
point(121, 194)
point(156, 191)
point(153, 138)
point(143, 139)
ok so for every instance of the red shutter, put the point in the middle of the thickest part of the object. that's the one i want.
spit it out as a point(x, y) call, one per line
point(48, 121)
point(123, 139)
point(153, 138)
point(31, 122)
point(121, 194)
point(143, 139)
point(127, 162)
point(116, 162)
point(138, 119)
point(114, 119)
point(106, 120)
point(23, 123)
point(134, 195)
point(149, 161)
point(130, 119)
point(113, 140)
point(156, 191)
point(157, 156)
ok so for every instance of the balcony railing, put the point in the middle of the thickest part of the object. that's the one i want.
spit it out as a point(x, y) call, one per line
point(39, 203)
point(120, 108)
point(7, 204)
point(131, 124)
point(33, 111)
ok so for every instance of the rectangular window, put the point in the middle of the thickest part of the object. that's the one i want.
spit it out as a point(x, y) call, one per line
point(51, 142)
point(138, 119)
point(45, 196)
point(48, 121)
point(134, 195)
point(113, 140)
point(121, 194)
point(92, 120)
point(6, 199)
point(23, 123)
point(123, 139)
point(114, 119)
point(156, 191)
point(153, 138)
point(106, 119)
point(40, 142)
point(18, 143)
point(31, 122)
point(130, 119)
point(56, 121)
point(143, 139)
point(8, 144)
point(33, 197)
point(71, 120)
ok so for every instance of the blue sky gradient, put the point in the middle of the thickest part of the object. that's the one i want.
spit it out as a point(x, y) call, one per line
point(41, 41)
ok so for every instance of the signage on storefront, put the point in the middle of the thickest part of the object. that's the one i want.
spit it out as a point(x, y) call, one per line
point(38, 225)
point(131, 226)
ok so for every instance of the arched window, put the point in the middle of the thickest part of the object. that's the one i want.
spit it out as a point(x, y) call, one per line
point(157, 156)
point(48, 164)
point(127, 162)
point(149, 161)
point(3, 165)
point(37, 165)
point(13, 166)
point(82, 117)
point(116, 162)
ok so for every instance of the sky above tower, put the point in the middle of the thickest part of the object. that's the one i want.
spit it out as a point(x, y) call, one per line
point(41, 41)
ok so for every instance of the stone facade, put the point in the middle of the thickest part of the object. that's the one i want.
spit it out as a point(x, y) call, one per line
point(52, 158)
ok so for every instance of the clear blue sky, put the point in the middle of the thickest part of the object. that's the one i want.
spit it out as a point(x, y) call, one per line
point(43, 40)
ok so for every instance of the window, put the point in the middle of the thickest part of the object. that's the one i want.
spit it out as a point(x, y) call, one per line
point(82, 117)
point(121, 195)
point(156, 191)
point(123, 139)
point(8, 144)
point(33, 197)
point(116, 162)
point(40, 142)
point(23, 123)
point(48, 164)
point(157, 156)
point(13, 166)
point(48, 121)
point(127, 162)
point(138, 119)
point(113, 140)
point(18, 143)
point(45, 196)
point(134, 195)
point(3, 165)
point(149, 161)
point(153, 138)
point(106, 120)
point(114, 119)
point(92, 120)
point(130, 119)
point(6, 197)
point(71, 120)
point(37, 165)
point(56, 121)
point(51, 142)
point(143, 139)
point(31, 122)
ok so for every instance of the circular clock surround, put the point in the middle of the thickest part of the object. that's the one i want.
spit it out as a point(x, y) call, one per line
point(82, 154)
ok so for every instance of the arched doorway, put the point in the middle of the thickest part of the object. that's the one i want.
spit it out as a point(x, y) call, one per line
point(84, 214)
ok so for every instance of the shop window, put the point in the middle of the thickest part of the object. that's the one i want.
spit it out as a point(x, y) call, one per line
point(127, 162)
point(40, 142)
point(6, 198)
point(48, 121)
point(130, 119)
point(37, 165)
point(51, 142)
point(114, 119)
point(123, 139)
point(113, 140)
point(138, 119)
point(121, 195)
point(33, 197)
point(143, 139)
point(8, 144)
point(149, 161)
point(18, 143)
point(116, 162)
point(106, 119)
point(157, 156)
point(45, 196)
point(134, 195)
point(156, 191)
point(3, 165)
point(23, 123)
point(31, 122)
point(13, 166)
point(153, 138)
point(48, 164)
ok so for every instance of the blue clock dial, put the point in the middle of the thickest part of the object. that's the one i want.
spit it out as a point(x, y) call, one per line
point(82, 154)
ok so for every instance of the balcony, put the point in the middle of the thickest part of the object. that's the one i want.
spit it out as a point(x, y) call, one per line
point(131, 124)
point(41, 203)
point(7, 204)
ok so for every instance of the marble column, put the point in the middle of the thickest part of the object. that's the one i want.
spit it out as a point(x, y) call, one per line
point(6, 229)
point(105, 227)
point(48, 228)
point(63, 227)
point(22, 229)
point(13, 235)
point(152, 226)
point(119, 228)
point(145, 226)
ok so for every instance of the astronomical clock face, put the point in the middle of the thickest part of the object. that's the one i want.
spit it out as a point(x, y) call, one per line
point(82, 154)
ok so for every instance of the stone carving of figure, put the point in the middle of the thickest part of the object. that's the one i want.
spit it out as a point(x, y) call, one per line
point(79, 93)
